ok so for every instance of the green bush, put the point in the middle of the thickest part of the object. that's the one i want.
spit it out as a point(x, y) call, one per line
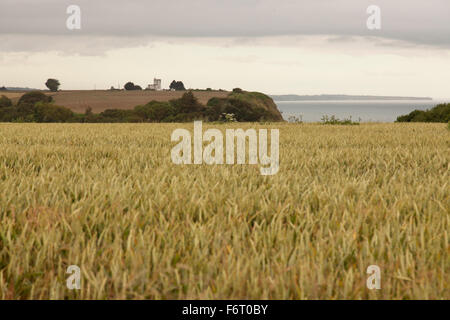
point(47, 112)
point(80, 118)
point(187, 117)
point(242, 110)
point(34, 97)
point(5, 102)
point(258, 100)
point(188, 103)
point(440, 113)
point(25, 109)
point(117, 115)
point(333, 120)
point(155, 111)
point(8, 114)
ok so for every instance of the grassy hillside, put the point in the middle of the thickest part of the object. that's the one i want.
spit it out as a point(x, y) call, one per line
point(107, 198)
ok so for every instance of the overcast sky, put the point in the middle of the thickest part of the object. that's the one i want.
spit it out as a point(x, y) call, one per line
point(274, 46)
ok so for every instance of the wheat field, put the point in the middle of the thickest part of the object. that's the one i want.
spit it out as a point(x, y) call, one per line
point(107, 198)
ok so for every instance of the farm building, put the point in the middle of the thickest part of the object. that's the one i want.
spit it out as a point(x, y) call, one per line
point(155, 86)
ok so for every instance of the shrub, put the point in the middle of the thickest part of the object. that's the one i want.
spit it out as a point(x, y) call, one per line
point(258, 100)
point(88, 116)
point(33, 97)
point(188, 103)
point(80, 118)
point(155, 111)
point(295, 119)
point(228, 117)
point(187, 117)
point(333, 120)
point(5, 102)
point(242, 110)
point(25, 108)
point(117, 115)
point(47, 112)
point(440, 113)
point(26, 105)
point(8, 114)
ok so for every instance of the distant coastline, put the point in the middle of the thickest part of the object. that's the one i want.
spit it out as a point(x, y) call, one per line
point(337, 97)
point(19, 89)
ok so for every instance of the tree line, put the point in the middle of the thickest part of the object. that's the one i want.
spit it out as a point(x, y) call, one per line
point(36, 106)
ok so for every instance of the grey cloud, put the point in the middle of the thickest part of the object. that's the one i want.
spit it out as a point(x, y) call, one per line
point(75, 44)
point(133, 22)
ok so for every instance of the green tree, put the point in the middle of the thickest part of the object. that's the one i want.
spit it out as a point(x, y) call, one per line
point(27, 102)
point(131, 86)
point(52, 84)
point(188, 103)
point(177, 85)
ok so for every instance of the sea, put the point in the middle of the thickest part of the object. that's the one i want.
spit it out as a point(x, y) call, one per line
point(363, 110)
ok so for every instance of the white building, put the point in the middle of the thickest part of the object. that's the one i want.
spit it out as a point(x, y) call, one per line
point(155, 86)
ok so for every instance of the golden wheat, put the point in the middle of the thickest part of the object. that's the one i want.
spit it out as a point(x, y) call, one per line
point(107, 198)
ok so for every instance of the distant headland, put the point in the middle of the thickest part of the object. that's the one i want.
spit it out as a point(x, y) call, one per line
point(327, 97)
